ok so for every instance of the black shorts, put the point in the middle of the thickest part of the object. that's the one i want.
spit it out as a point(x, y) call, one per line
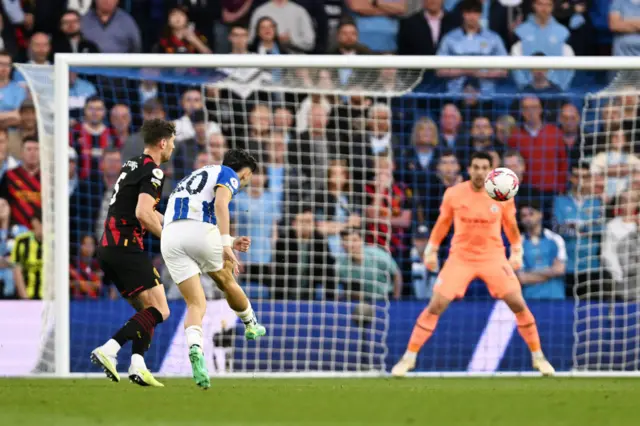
point(131, 271)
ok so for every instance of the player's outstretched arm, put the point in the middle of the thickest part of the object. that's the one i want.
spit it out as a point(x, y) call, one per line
point(510, 227)
point(146, 214)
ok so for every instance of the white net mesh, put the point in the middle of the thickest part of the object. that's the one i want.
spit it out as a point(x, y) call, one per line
point(607, 290)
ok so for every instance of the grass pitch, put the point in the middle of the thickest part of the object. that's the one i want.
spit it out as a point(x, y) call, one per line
point(301, 402)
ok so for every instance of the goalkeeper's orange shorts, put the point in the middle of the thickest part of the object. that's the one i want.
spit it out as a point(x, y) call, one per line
point(457, 274)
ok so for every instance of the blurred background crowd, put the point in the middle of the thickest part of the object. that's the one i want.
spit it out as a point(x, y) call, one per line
point(349, 184)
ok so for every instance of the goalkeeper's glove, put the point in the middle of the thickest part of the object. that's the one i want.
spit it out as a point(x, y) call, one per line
point(515, 260)
point(430, 258)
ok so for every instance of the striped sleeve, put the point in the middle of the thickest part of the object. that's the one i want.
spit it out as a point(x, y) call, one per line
point(18, 252)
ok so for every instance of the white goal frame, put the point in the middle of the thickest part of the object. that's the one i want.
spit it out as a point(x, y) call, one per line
point(64, 61)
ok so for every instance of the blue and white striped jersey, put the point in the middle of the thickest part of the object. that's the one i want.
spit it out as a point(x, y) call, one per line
point(194, 195)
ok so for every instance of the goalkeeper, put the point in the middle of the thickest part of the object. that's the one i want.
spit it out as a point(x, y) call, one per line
point(477, 251)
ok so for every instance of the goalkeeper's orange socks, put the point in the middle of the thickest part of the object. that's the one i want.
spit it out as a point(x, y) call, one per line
point(528, 330)
point(422, 331)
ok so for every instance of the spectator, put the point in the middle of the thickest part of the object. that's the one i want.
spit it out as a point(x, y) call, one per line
point(337, 206)
point(41, 15)
point(569, 119)
point(450, 121)
point(38, 53)
point(28, 127)
point(540, 83)
point(202, 159)
point(421, 33)
point(204, 18)
point(617, 163)
point(79, 91)
point(421, 156)
point(302, 260)
point(191, 102)
point(348, 44)
point(70, 38)
point(620, 246)
point(179, 37)
point(390, 81)
point(260, 119)
point(471, 40)
point(380, 139)
point(283, 122)
point(304, 111)
point(389, 213)
point(473, 103)
point(317, 10)
point(481, 139)
point(7, 286)
point(541, 146)
point(189, 148)
point(217, 147)
point(368, 272)
point(237, 12)
point(573, 15)
point(134, 144)
point(495, 17)
point(276, 167)
point(293, 24)
point(505, 125)
point(239, 39)
point(102, 190)
point(265, 42)
point(447, 175)
point(120, 119)
point(91, 136)
point(85, 275)
point(624, 22)
point(111, 28)
point(541, 33)
point(7, 162)
point(20, 186)
point(528, 194)
point(11, 94)
point(422, 279)
point(256, 212)
point(581, 213)
point(377, 22)
point(544, 257)
point(27, 261)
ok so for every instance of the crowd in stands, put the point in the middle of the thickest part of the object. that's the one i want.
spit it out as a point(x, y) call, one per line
point(348, 186)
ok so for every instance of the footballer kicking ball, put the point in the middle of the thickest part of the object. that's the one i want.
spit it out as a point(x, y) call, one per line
point(501, 184)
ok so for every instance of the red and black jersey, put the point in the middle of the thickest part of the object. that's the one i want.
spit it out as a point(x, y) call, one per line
point(21, 189)
point(90, 147)
point(139, 175)
point(86, 278)
point(392, 202)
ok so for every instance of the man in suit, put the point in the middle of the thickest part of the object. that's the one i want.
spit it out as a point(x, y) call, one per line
point(420, 33)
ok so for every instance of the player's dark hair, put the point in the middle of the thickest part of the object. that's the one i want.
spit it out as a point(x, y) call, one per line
point(238, 159)
point(155, 130)
point(471, 6)
point(481, 155)
point(30, 138)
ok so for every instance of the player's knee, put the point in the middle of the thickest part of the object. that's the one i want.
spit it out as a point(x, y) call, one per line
point(198, 306)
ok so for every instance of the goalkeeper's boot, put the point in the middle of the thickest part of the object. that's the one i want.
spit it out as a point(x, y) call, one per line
point(541, 364)
point(143, 377)
point(106, 362)
point(253, 331)
point(403, 366)
point(199, 367)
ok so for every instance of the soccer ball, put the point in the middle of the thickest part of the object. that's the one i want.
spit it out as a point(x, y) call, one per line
point(501, 184)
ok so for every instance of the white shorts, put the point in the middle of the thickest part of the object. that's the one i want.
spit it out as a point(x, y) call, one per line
point(190, 247)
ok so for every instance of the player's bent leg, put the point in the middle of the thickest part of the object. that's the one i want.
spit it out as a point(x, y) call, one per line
point(528, 331)
point(422, 331)
point(237, 300)
point(194, 297)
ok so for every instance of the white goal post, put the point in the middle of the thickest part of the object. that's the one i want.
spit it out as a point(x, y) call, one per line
point(64, 62)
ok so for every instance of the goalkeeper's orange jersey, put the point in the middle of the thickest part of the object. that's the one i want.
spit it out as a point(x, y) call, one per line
point(477, 220)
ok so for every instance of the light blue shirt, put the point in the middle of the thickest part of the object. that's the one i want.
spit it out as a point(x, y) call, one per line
point(79, 92)
point(549, 40)
point(11, 97)
point(378, 33)
point(579, 223)
point(276, 180)
point(540, 253)
point(627, 44)
point(460, 43)
point(254, 218)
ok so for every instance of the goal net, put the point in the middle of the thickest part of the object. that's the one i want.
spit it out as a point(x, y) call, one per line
point(353, 166)
point(607, 323)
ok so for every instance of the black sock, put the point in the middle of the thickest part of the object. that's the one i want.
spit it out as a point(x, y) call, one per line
point(141, 345)
point(139, 326)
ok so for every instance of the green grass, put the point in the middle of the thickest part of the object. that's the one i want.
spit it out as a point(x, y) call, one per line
point(300, 402)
